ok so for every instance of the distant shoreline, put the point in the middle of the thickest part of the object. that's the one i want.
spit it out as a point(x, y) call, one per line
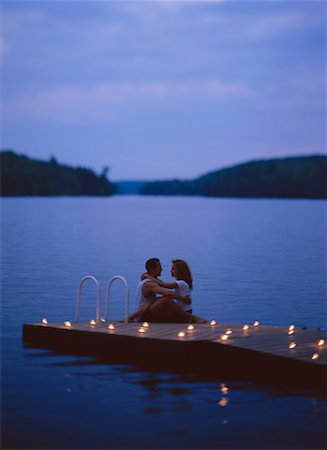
point(50, 197)
point(303, 177)
point(23, 176)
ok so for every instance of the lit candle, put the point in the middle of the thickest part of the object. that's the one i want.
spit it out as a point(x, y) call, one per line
point(291, 328)
point(190, 327)
point(111, 326)
point(93, 322)
point(292, 345)
point(224, 389)
point(321, 341)
point(68, 324)
point(45, 321)
point(229, 331)
point(224, 337)
point(141, 330)
point(213, 323)
point(245, 327)
point(315, 356)
point(290, 332)
point(181, 334)
point(256, 324)
point(145, 325)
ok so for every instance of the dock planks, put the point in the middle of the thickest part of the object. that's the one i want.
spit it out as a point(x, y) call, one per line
point(260, 351)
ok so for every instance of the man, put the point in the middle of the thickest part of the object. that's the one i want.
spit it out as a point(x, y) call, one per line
point(155, 303)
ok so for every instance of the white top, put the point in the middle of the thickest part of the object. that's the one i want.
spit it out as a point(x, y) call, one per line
point(139, 298)
point(182, 290)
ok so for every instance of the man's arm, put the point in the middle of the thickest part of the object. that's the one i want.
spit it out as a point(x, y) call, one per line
point(156, 289)
point(164, 284)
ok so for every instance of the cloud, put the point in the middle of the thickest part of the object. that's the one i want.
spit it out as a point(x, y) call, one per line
point(307, 92)
point(78, 104)
point(4, 48)
point(171, 75)
point(14, 20)
point(274, 24)
point(270, 19)
point(302, 92)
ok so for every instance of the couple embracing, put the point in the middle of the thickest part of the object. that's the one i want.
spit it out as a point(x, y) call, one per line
point(157, 301)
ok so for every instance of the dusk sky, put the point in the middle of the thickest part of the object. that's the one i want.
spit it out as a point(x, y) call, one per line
point(163, 89)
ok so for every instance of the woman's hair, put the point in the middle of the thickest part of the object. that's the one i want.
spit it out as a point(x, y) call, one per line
point(183, 271)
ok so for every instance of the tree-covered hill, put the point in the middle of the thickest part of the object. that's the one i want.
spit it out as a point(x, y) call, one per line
point(296, 177)
point(21, 175)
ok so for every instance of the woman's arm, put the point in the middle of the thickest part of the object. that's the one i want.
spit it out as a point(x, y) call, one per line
point(166, 285)
point(171, 294)
point(172, 285)
point(186, 299)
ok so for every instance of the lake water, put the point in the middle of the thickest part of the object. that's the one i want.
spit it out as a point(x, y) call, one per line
point(251, 260)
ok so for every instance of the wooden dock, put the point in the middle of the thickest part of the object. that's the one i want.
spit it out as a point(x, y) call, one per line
point(260, 353)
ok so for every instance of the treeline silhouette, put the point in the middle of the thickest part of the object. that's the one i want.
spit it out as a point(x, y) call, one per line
point(21, 175)
point(295, 177)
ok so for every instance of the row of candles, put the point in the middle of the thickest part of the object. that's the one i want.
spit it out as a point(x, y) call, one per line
point(291, 330)
point(224, 337)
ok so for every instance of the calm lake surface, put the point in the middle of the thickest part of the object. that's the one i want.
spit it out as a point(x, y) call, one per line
point(251, 260)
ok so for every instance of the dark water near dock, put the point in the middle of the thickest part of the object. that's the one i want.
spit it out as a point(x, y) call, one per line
point(251, 260)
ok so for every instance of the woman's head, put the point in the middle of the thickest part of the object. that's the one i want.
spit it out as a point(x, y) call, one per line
point(181, 271)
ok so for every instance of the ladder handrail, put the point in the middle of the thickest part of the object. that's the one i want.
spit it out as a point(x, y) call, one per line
point(88, 277)
point(118, 277)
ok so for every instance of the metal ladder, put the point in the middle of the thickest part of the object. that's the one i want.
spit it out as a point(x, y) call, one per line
point(118, 277)
point(98, 305)
point(88, 277)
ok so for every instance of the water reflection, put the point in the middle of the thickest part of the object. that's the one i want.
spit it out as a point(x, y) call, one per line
point(169, 406)
point(223, 401)
point(153, 379)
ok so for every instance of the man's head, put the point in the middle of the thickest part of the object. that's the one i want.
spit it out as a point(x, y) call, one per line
point(153, 267)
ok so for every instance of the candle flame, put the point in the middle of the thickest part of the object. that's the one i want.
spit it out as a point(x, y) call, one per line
point(321, 342)
point(181, 334)
point(229, 331)
point(141, 330)
point(256, 324)
point(245, 327)
point(290, 332)
point(145, 325)
point(315, 356)
point(292, 345)
point(291, 327)
point(190, 327)
point(93, 322)
point(224, 337)
point(213, 323)
point(68, 324)
point(111, 326)
point(44, 320)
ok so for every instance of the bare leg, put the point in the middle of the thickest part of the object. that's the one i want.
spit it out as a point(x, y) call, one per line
point(139, 312)
point(166, 310)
